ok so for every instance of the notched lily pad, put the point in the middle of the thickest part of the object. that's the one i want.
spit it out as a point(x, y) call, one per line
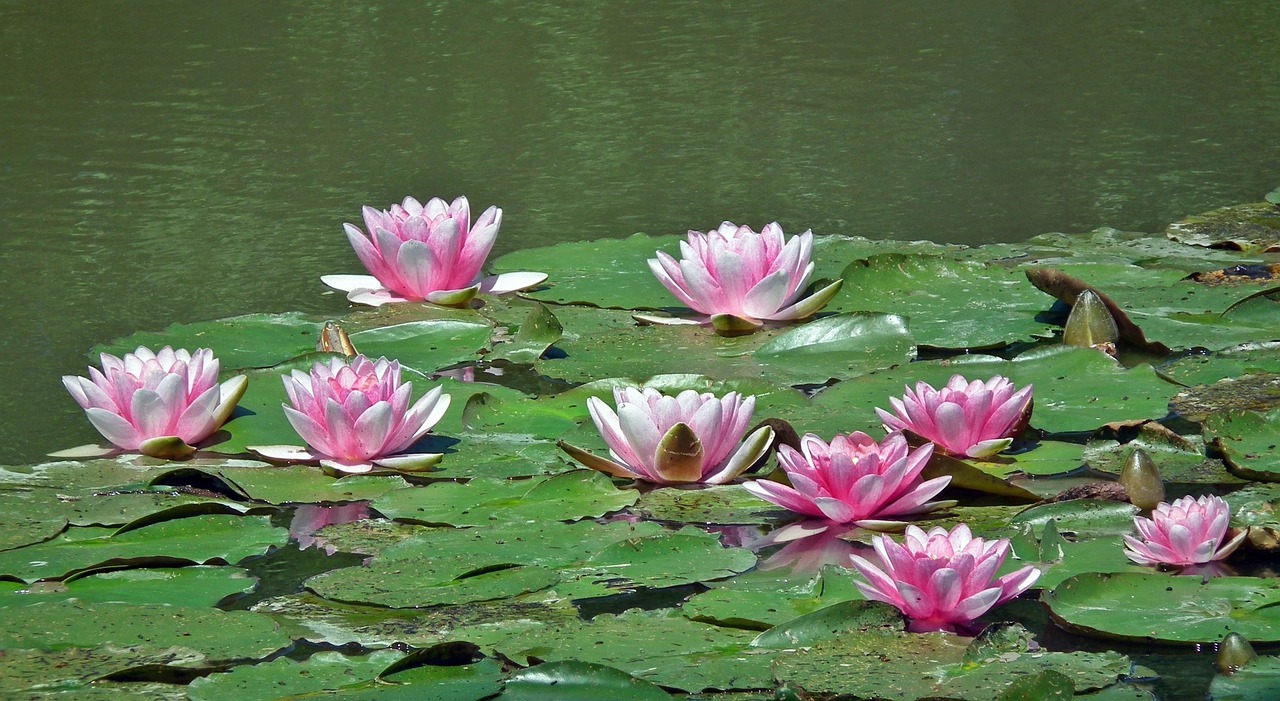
point(249, 341)
point(1248, 443)
point(1168, 608)
point(605, 273)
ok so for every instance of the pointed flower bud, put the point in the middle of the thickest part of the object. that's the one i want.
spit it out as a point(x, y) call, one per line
point(1090, 322)
point(1141, 480)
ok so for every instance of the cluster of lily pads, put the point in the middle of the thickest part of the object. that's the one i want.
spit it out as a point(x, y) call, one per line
point(488, 565)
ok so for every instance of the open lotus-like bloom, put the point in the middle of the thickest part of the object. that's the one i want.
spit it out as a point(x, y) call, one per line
point(853, 479)
point(941, 579)
point(159, 404)
point(967, 419)
point(740, 278)
point(355, 416)
point(687, 438)
point(416, 252)
point(1190, 531)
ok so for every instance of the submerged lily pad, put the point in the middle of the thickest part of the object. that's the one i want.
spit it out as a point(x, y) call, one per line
point(1256, 681)
point(1168, 608)
point(1255, 392)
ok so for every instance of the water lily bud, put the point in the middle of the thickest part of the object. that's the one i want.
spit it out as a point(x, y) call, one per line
point(1090, 323)
point(1141, 480)
point(1234, 652)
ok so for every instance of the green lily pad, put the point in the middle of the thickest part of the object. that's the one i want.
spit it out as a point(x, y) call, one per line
point(1208, 368)
point(1180, 459)
point(1256, 681)
point(605, 343)
point(17, 530)
point(482, 501)
point(909, 666)
point(425, 346)
point(321, 620)
point(606, 273)
point(830, 623)
point(578, 681)
point(1045, 458)
point(212, 539)
point(1168, 608)
point(1076, 390)
point(950, 303)
point(324, 671)
point(76, 672)
point(1248, 442)
point(1255, 392)
point(302, 484)
point(762, 599)
point(215, 635)
point(590, 559)
point(96, 507)
point(107, 472)
point(535, 334)
point(718, 505)
point(249, 341)
point(1244, 227)
point(184, 586)
point(661, 647)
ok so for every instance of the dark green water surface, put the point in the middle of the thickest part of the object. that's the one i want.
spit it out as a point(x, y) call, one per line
point(176, 161)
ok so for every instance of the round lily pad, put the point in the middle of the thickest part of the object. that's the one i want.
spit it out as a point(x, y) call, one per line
point(1248, 441)
point(1168, 608)
point(482, 501)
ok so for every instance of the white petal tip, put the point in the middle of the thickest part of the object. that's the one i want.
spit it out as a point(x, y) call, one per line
point(511, 282)
point(350, 283)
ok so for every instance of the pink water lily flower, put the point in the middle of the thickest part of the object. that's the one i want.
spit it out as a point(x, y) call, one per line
point(740, 279)
point(966, 419)
point(1190, 531)
point(854, 479)
point(355, 416)
point(941, 579)
point(687, 438)
point(160, 404)
point(416, 252)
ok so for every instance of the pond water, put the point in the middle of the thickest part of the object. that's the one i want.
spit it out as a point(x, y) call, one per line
point(180, 161)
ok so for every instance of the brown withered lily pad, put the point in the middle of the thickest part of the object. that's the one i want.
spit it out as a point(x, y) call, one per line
point(1239, 275)
point(1253, 228)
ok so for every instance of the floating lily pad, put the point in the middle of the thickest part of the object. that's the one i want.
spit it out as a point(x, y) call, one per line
point(661, 647)
point(1254, 392)
point(1076, 390)
point(830, 623)
point(605, 273)
point(909, 666)
point(1180, 459)
point(215, 635)
point(537, 331)
point(324, 671)
point(302, 484)
point(949, 303)
point(425, 346)
point(184, 586)
point(591, 559)
point(718, 505)
point(323, 621)
point(1168, 608)
point(482, 501)
point(1045, 458)
point(1256, 681)
point(604, 343)
point(213, 539)
point(1242, 227)
point(578, 681)
point(1248, 442)
point(760, 600)
point(249, 341)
